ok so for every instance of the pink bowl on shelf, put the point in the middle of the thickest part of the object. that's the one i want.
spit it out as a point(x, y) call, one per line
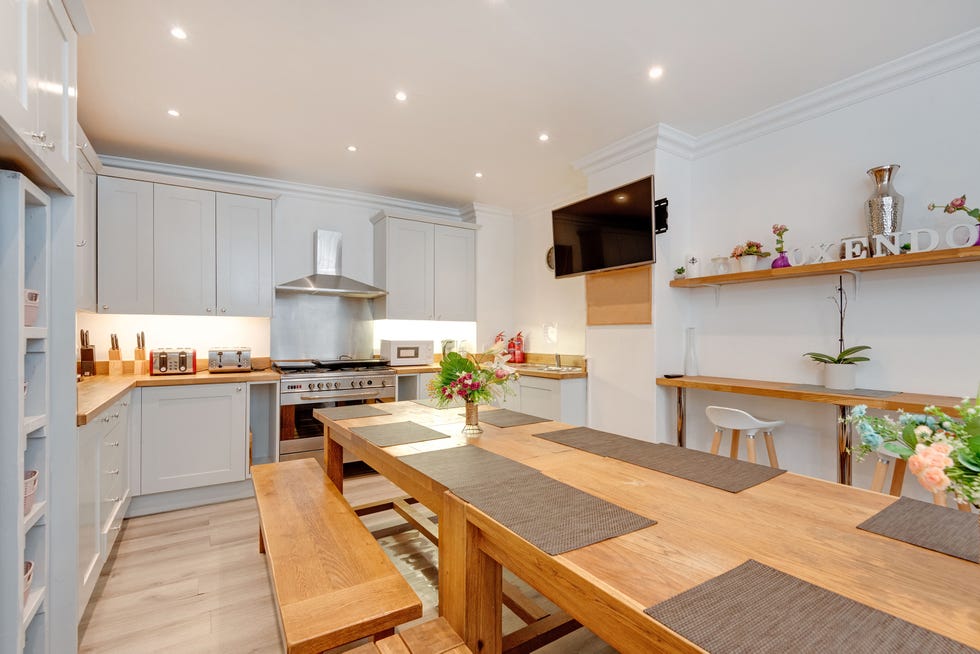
point(30, 488)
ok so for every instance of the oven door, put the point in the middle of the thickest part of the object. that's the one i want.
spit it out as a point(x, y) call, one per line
point(300, 434)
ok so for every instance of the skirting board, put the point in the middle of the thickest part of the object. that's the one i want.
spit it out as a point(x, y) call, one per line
point(189, 497)
point(620, 297)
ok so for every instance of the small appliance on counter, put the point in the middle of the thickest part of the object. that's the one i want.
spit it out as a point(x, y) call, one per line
point(230, 359)
point(173, 361)
point(407, 353)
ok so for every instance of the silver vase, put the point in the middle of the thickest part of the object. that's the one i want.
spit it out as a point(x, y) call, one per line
point(885, 204)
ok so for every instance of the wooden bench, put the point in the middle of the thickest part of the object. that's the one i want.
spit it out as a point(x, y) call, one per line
point(333, 583)
point(432, 637)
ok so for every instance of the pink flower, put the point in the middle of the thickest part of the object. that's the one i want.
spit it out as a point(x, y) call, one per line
point(499, 373)
point(929, 456)
point(950, 208)
point(958, 203)
point(933, 479)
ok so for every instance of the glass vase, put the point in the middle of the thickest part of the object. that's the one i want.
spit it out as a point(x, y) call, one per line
point(472, 428)
point(690, 354)
point(782, 261)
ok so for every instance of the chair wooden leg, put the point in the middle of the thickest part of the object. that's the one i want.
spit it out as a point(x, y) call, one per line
point(771, 450)
point(881, 470)
point(939, 498)
point(898, 478)
point(963, 506)
point(716, 442)
point(734, 449)
point(261, 542)
point(750, 446)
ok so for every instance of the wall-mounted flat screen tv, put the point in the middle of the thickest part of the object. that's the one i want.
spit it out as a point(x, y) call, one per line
point(610, 230)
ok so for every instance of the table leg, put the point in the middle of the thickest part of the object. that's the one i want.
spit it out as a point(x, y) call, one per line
point(844, 436)
point(333, 457)
point(681, 416)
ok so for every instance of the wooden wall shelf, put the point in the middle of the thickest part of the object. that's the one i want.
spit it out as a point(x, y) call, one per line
point(933, 258)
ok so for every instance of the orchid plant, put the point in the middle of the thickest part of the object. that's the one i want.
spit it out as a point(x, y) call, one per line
point(779, 230)
point(748, 249)
point(473, 378)
point(942, 452)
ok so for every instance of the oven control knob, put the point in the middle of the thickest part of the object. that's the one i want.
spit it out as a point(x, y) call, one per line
point(360, 383)
point(312, 387)
point(320, 386)
point(383, 383)
point(353, 383)
point(336, 384)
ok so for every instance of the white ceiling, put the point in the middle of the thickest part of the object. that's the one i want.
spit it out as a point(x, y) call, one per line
point(281, 88)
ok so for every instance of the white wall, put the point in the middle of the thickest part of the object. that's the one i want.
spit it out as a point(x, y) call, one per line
point(539, 298)
point(921, 322)
point(494, 272)
point(198, 332)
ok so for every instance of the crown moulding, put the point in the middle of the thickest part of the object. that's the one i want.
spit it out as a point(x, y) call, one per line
point(937, 59)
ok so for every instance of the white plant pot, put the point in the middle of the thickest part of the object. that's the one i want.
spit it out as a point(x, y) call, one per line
point(748, 262)
point(839, 376)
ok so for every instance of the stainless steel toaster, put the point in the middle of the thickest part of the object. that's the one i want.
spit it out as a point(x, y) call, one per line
point(173, 361)
point(230, 359)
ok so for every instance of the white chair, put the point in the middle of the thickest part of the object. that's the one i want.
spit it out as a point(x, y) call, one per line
point(739, 421)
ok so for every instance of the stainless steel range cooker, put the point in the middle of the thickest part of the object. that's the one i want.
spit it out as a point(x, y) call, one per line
point(310, 384)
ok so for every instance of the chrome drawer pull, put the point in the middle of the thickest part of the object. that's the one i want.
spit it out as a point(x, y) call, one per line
point(112, 472)
point(111, 499)
point(113, 444)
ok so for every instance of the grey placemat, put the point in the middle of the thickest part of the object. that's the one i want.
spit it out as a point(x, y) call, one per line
point(933, 527)
point(508, 418)
point(434, 404)
point(397, 433)
point(355, 411)
point(552, 516)
point(694, 465)
point(856, 392)
point(755, 609)
point(456, 467)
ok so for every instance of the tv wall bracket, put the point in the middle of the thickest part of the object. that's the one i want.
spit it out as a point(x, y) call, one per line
point(660, 216)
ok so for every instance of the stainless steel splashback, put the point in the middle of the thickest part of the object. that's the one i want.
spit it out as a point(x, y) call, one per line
point(321, 326)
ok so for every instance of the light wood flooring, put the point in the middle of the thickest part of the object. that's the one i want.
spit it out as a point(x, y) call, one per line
point(193, 581)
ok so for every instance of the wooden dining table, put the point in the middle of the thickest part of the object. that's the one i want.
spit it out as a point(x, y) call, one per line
point(799, 525)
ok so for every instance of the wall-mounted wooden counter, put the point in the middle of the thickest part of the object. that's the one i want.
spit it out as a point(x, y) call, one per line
point(934, 258)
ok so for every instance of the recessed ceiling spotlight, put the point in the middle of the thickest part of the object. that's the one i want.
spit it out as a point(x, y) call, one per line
point(352, 148)
point(178, 32)
point(622, 197)
point(543, 136)
point(478, 175)
point(401, 96)
point(174, 113)
point(656, 72)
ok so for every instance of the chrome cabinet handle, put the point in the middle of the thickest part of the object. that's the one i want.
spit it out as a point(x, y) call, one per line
point(115, 415)
point(208, 309)
point(81, 244)
point(39, 137)
point(113, 444)
point(112, 472)
point(239, 389)
point(125, 403)
point(105, 306)
point(111, 499)
point(106, 419)
point(223, 309)
point(82, 146)
point(47, 146)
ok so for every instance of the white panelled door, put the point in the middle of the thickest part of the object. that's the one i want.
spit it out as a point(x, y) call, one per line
point(125, 253)
point(183, 251)
point(243, 246)
point(409, 277)
point(455, 273)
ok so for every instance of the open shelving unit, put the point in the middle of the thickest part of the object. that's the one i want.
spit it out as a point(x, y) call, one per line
point(847, 266)
point(25, 400)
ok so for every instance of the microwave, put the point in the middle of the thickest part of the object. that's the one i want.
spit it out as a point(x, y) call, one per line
point(407, 353)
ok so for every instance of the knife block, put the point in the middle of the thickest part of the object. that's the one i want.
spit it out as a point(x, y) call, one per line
point(140, 365)
point(115, 363)
point(87, 355)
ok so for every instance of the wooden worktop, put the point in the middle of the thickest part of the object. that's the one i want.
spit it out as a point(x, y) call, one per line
point(96, 394)
point(912, 402)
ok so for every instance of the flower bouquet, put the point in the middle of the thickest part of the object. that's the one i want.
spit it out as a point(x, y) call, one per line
point(942, 452)
point(474, 379)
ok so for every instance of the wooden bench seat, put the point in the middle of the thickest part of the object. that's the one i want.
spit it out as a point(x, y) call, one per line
point(432, 637)
point(333, 583)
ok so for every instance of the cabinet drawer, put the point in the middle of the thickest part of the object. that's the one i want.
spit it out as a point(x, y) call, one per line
point(112, 525)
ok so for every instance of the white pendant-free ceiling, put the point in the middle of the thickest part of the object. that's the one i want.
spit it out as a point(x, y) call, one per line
point(283, 88)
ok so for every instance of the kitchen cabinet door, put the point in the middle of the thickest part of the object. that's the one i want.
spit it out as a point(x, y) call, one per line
point(89, 545)
point(454, 281)
point(56, 104)
point(243, 249)
point(183, 251)
point(18, 96)
point(125, 248)
point(85, 237)
point(192, 436)
point(408, 270)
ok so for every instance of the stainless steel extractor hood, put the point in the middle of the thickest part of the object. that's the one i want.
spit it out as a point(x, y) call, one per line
point(327, 280)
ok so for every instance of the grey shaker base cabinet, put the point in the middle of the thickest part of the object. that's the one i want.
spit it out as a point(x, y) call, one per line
point(192, 436)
